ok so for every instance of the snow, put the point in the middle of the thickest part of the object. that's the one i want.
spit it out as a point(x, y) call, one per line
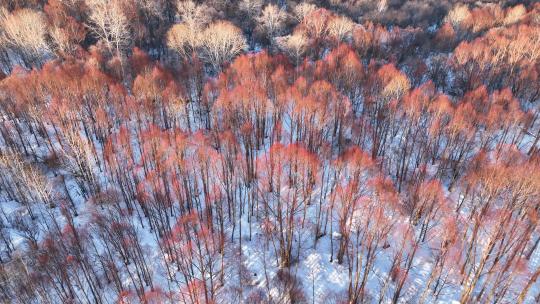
point(320, 277)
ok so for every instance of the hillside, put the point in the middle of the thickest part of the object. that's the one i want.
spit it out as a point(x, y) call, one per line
point(159, 151)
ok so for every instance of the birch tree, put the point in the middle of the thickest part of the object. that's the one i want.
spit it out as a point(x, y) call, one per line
point(109, 24)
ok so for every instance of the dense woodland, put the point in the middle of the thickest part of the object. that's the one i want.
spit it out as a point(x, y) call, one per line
point(255, 151)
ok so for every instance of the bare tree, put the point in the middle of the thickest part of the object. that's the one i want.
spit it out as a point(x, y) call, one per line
point(27, 182)
point(251, 8)
point(78, 158)
point(183, 39)
point(303, 9)
point(514, 14)
point(110, 24)
point(340, 28)
point(62, 43)
point(196, 16)
point(25, 32)
point(382, 5)
point(221, 41)
point(153, 7)
point(457, 15)
point(294, 45)
point(272, 20)
point(65, 28)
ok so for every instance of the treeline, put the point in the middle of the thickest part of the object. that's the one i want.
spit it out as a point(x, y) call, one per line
point(34, 31)
point(407, 145)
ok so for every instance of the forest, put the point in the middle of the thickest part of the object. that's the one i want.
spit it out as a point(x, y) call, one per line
point(269, 151)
